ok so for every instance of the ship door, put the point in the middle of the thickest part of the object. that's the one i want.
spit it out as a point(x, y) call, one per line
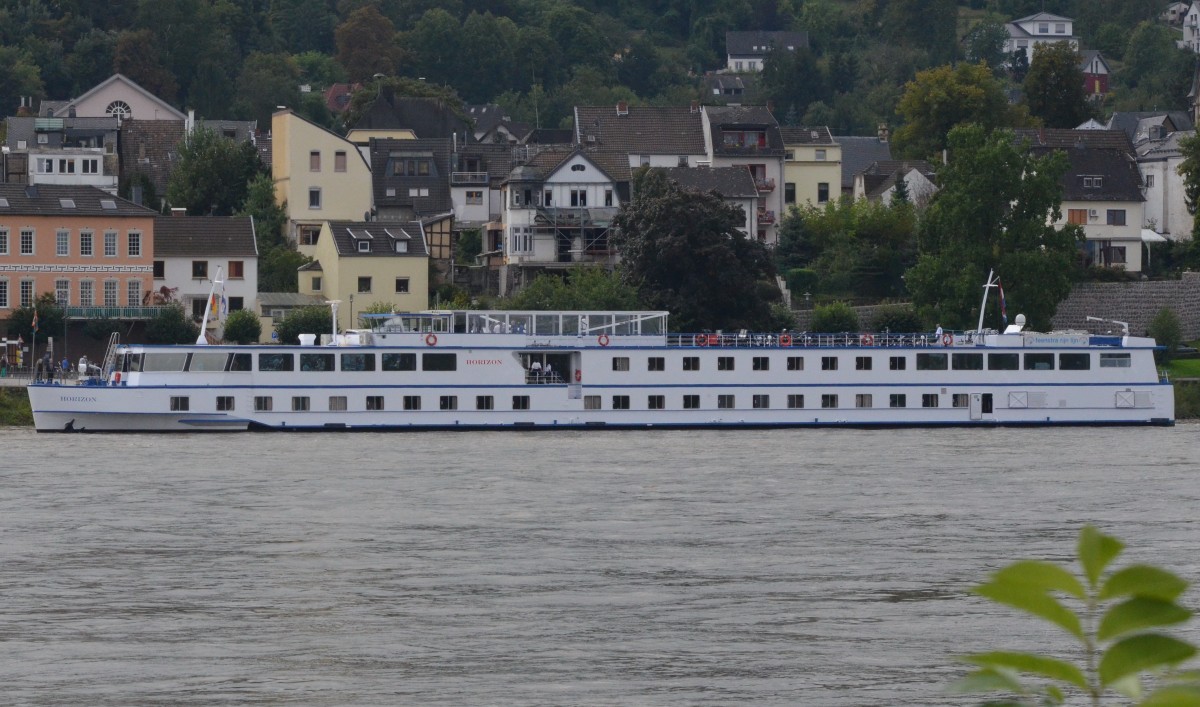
point(976, 406)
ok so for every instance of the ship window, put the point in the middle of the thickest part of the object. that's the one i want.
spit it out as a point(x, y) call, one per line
point(760, 402)
point(656, 402)
point(656, 363)
point(520, 402)
point(795, 363)
point(967, 361)
point(358, 362)
point(448, 402)
point(691, 363)
point(208, 361)
point(864, 400)
point(337, 403)
point(439, 362)
point(897, 363)
point(829, 401)
point(726, 402)
point(725, 363)
point(960, 400)
point(316, 362)
point(931, 362)
point(898, 400)
point(1039, 362)
point(263, 403)
point(485, 402)
point(761, 363)
point(1074, 362)
point(179, 403)
point(620, 402)
point(691, 402)
point(165, 361)
point(412, 402)
point(795, 402)
point(225, 403)
point(1114, 360)
point(374, 402)
point(929, 400)
point(274, 362)
point(1004, 361)
point(862, 363)
point(829, 363)
point(300, 403)
point(620, 363)
point(591, 402)
point(240, 362)
point(399, 362)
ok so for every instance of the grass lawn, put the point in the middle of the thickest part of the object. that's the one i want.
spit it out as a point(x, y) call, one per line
point(1184, 368)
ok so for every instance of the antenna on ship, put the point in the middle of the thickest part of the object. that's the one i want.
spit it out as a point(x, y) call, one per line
point(333, 306)
point(202, 340)
point(991, 282)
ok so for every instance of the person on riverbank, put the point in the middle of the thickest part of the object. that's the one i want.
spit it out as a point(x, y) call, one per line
point(4, 366)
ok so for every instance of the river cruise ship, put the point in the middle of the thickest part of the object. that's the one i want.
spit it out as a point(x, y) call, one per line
point(471, 370)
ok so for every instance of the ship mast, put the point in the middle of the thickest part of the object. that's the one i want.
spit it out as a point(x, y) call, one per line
point(991, 282)
point(202, 340)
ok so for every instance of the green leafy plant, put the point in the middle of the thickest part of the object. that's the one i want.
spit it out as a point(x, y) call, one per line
point(1115, 627)
point(242, 327)
point(834, 317)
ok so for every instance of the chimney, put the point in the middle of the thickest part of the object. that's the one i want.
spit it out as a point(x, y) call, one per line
point(135, 194)
point(771, 107)
point(695, 107)
point(882, 132)
point(71, 112)
point(622, 108)
point(177, 211)
point(31, 191)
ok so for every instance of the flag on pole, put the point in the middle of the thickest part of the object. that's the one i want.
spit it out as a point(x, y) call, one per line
point(1003, 306)
point(35, 321)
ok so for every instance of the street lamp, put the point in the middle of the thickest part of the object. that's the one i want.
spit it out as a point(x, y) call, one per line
point(352, 313)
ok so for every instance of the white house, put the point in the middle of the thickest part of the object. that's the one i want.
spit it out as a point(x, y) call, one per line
point(749, 137)
point(189, 251)
point(1041, 28)
point(66, 150)
point(747, 51)
point(1166, 210)
point(1191, 29)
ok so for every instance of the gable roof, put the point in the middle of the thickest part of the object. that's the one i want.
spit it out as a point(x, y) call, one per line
point(47, 200)
point(64, 110)
point(654, 130)
point(729, 182)
point(722, 118)
point(184, 236)
point(880, 176)
point(1063, 138)
point(806, 135)
point(760, 43)
point(1132, 122)
point(435, 185)
point(858, 153)
point(1086, 56)
point(543, 164)
point(1163, 148)
point(337, 96)
point(1121, 180)
point(381, 235)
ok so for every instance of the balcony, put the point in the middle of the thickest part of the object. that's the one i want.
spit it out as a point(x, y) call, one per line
point(764, 184)
point(468, 178)
point(765, 217)
point(120, 313)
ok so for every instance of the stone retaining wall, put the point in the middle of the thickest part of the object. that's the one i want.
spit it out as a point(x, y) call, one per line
point(866, 315)
point(1132, 302)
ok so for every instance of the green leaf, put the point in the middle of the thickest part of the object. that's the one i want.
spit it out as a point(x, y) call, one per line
point(1033, 600)
point(1130, 686)
point(1139, 613)
point(1173, 696)
point(1096, 550)
point(1031, 663)
point(1142, 652)
point(989, 680)
point(1043, 575)
point(1143, 581)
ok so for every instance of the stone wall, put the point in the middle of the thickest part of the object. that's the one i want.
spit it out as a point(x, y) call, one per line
point(1132, 302)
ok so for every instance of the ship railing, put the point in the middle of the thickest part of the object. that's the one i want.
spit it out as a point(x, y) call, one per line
point(806, 339)
point(543, 378)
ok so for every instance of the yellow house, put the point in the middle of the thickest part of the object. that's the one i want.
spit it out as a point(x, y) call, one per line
point(367, 263)
point(319, 176)
point(812, 166)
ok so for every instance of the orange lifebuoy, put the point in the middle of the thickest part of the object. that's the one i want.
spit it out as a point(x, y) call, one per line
point(714, 340)
point(785, 339)
point(431, 339)
point(602, 339)
point(578, 375)
point(117, 378)
point(866, 340)
point(701, 340)
point(947, 339)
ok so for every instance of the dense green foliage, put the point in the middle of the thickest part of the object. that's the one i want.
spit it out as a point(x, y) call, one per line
point(994, 211)
point(1167, 332)
point(14, 407)
point(1054, 86)
point(1116, 625)
point(172, 326)
point(242, 327)
point(834, 318)
point(897, 318)
point(304, 320)
point(582, 288)
point(213, 174)
point(50, 320)
point(683, 253)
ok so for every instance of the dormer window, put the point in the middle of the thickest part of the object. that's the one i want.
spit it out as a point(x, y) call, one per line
point(364, 246)
point(401, 246)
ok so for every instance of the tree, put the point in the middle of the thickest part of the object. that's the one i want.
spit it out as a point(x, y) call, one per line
point(833, 318)
point(1117, 624)
point(584, 288)
point(20, 77)
point(1189, 169)
point(365, 44)
point(940, 98)
point(1054, 86)
point(172, 326)
point(50, 319)
point(304, 320)
point(1167, 332)
point(303, 25)
point(793, 78)
point(213, 174)
point(270, 218)
point(928, 24)
point(994, 209)
point(139, 56)
point(91, 61)
point(683, 253)
point(985, 44)
point(277, 268)
point(1156, 74)
point(266, 81)
point(243, 327)
point(468, 246)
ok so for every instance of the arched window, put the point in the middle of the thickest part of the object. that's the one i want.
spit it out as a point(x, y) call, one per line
point(119, 109)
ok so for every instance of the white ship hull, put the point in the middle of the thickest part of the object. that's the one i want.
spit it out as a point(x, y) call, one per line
point(456, 371)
